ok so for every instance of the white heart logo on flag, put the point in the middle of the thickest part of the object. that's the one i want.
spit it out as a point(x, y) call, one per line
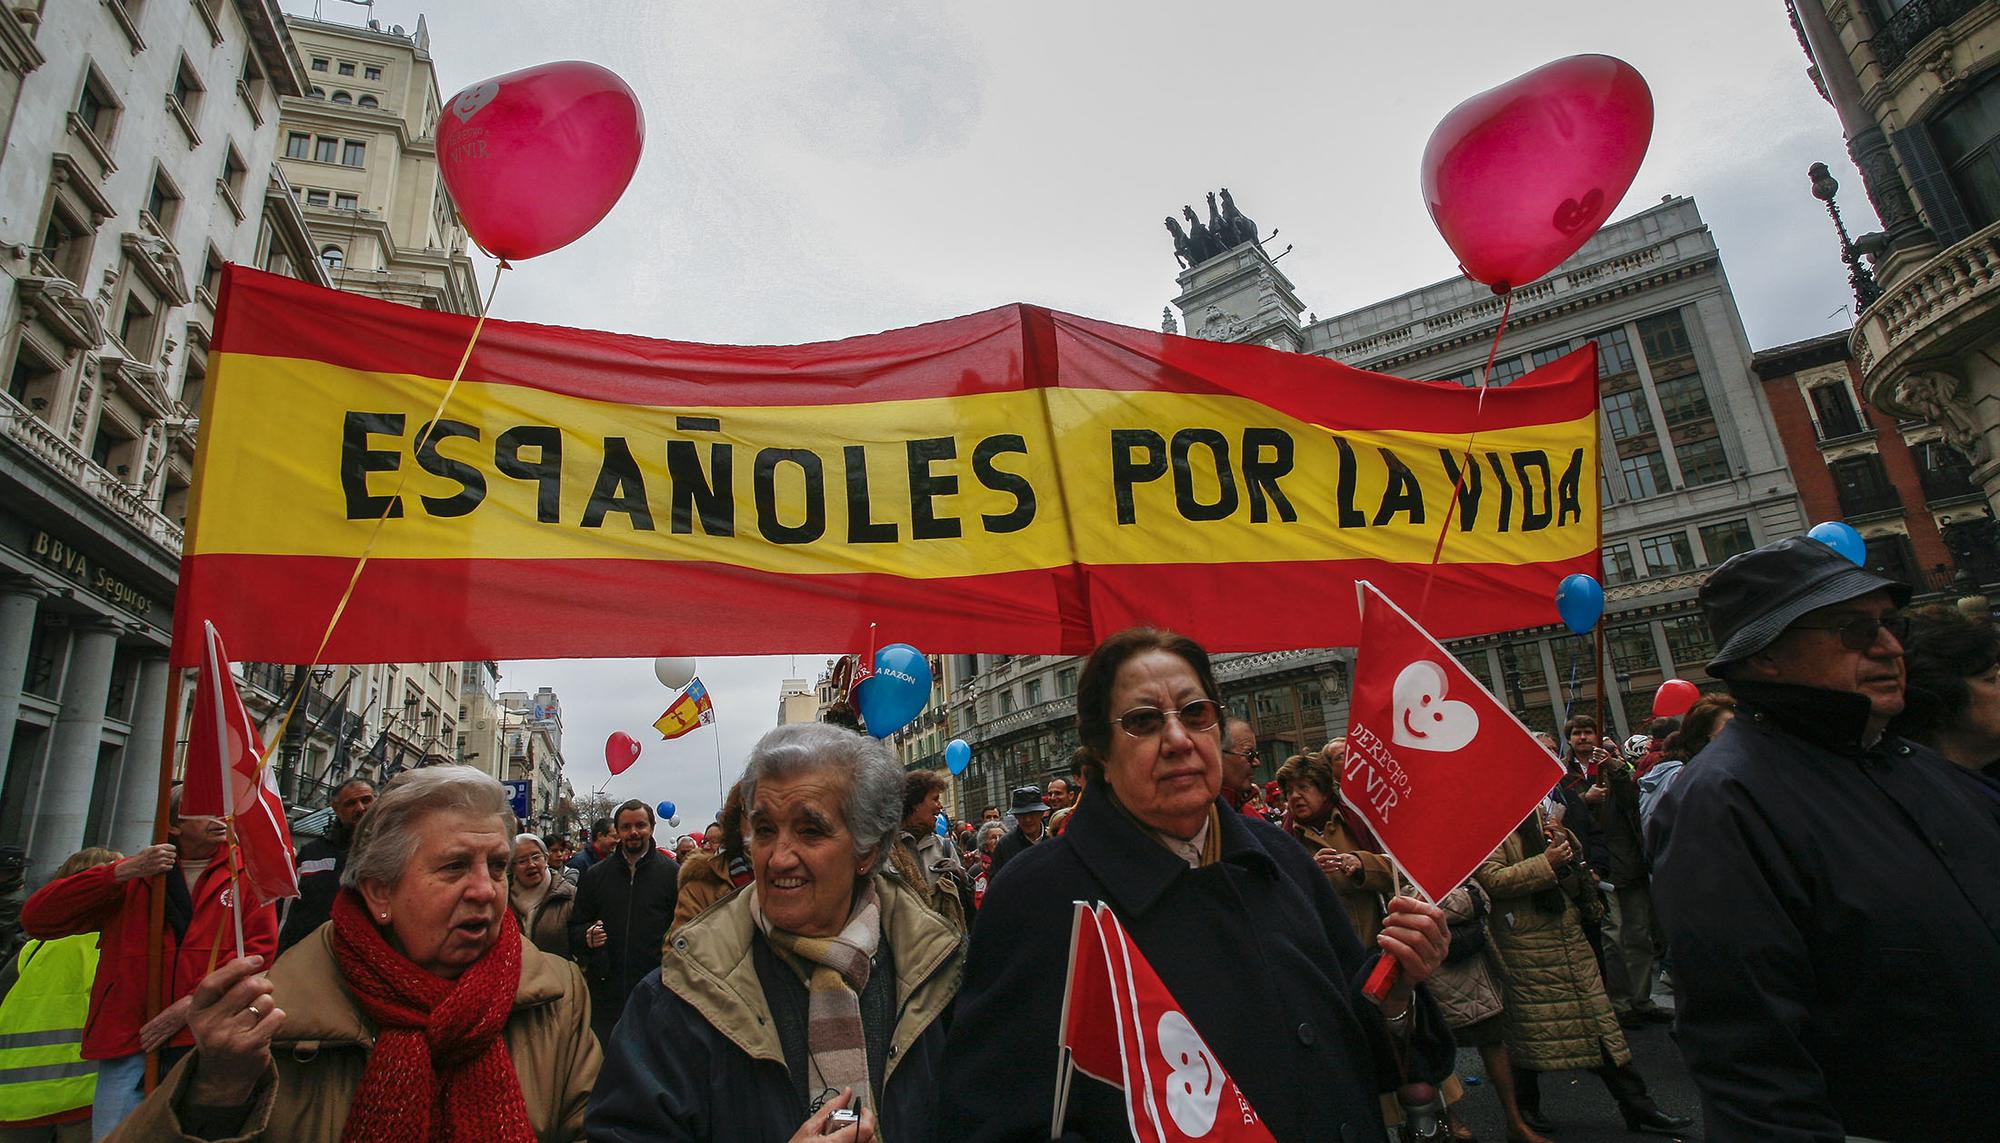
point(1194, 1086)
point(1425, 719)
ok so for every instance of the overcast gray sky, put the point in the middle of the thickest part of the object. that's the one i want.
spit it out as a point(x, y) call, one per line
point(815, 171)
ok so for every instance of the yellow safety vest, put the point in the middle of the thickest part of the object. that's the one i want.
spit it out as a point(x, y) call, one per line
point(42, 1069)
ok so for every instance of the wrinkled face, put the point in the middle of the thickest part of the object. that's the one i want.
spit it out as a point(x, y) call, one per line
point(1168, 779)
point(1810, 653)
point(446, 911)
point(1031, 822)
point(802, 854)
point(923, 815)
point(531, 866)
point(198, 836)
point(635, 833)
point(1239, 757)
point(1307, 802)
point(352, 803)
point(988, 840)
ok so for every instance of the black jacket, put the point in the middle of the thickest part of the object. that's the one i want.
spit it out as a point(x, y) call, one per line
point(1256, 949)
point(636, 904)
point(1617, 821)
point(1013, 845)
point(320, 863)
point(1833, 913)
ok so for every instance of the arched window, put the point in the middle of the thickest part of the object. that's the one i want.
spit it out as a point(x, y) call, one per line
point(342, 97)
point(368, 101)
point(332, 257)
point(319, 93)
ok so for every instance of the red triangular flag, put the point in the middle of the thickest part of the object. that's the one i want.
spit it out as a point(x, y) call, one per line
point(1437, 767)
point(1122, 1027)
point(224, 778)
point(864, 666)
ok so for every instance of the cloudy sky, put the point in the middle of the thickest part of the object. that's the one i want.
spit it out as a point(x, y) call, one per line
point(815, 171)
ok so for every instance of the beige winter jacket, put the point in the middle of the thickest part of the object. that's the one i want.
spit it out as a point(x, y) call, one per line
point(322, 1047)
point(1558, 1015)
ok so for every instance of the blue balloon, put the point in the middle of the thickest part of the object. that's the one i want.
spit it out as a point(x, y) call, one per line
point(943, 825)
point(1842, 538)
point(957, 756)
point(666, 809)
point(1580, 602)
point(897, 692)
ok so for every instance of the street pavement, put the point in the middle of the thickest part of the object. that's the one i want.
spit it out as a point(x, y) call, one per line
point(1576, 1102)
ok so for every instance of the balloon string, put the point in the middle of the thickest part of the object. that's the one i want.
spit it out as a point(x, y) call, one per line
point(1465, 465)
point(394, 500)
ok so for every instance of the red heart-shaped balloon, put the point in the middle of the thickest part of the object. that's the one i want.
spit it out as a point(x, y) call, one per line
point(620, 751)
point(534, 158)
point(1518, 178)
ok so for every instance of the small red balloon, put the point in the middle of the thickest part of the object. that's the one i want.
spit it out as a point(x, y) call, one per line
point(620, 751)
point(1674, 698)
point(1518, 178)
point(534, 158)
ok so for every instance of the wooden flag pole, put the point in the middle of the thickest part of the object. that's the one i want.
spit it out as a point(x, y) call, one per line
point(156, 924)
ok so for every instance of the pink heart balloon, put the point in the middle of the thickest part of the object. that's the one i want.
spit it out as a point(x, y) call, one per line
point(620, 751)
point(1518, 178)
point(534, 158)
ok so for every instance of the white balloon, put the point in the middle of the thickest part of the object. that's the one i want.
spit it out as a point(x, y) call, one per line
point(674, 673)
point(674, 822)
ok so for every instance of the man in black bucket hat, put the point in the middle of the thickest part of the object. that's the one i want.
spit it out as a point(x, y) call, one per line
point(1030, 812)
point(1830, 893)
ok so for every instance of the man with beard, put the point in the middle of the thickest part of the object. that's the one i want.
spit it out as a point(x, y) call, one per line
point(623, 910)
point(321, 860)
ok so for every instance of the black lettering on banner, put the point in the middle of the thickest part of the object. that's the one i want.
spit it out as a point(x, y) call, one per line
point(694, 491)
point(764, 485)
point(1506, 489)
point(357, 460)
point(620, 488)
point(471, 481)
point(1569, 491)
point(1468, 489)
point(861, 529)
point(1345, 513)
point(1260, 476)
point(1534, 519)
point(926, 486)
point(545, 470)
point(1127, 471)
point(1225, 494)
point(1403, 495)
point(1000, 480)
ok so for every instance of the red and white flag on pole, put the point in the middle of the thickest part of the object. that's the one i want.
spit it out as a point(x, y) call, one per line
point(864, 666)
point(1122, 1027)
point(225, 779)
point(1440, 770)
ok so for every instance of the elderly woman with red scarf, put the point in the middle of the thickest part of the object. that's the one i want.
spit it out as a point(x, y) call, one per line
point(417, 1013)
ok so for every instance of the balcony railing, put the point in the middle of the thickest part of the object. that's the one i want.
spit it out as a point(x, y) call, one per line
point(1902, 32)
point(1856, 503)
point(31, 433)
point(1951, 292)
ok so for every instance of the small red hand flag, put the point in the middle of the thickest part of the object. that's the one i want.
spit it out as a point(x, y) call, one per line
point(225, 778)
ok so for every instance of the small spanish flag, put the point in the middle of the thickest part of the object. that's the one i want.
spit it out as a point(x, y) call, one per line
point(689, 710)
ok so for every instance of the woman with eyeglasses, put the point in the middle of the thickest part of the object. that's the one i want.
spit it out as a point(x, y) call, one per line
point(1239, 924)
point(541, 901)
point(1360, 876)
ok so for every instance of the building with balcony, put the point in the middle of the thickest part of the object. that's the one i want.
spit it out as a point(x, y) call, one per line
point(139, 140)
point(1916, 88)
point(1905, 487)
point(361, 145)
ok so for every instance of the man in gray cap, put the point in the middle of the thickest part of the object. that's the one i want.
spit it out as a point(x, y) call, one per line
point(1830, 894)
point(1029, 813)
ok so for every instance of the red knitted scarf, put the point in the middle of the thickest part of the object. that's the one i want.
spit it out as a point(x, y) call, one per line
point(440, 1070)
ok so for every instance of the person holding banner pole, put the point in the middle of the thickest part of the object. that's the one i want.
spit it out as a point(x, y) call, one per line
point(1238, 923)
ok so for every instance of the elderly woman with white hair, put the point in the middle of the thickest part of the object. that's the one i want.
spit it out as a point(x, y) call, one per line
point(417, 1012)
point(819, 990)
point(541, 900)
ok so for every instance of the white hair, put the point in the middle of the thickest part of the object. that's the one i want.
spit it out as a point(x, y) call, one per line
point(386, 839)
point(872, 803)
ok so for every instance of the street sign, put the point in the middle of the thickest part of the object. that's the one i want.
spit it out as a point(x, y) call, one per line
point(517, 794)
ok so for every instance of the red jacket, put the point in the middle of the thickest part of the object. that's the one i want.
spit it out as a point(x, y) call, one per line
point(93, 901)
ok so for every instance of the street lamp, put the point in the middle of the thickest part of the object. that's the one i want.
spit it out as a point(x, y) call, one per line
point(1824, 187)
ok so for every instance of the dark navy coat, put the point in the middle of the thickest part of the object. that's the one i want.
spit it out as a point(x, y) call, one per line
point(1833, 913)
point(1256, 949)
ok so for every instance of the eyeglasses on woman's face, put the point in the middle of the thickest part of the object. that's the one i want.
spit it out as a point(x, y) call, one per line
point(1147, 721)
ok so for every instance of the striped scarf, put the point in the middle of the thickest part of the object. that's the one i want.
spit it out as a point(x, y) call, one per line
point(836, 972)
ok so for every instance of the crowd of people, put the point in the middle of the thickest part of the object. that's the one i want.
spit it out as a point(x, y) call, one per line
point(1807, 856)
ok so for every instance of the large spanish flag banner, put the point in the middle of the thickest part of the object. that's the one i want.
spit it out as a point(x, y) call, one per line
point(1013, 481)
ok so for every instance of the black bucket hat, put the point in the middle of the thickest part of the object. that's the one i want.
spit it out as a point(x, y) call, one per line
point(1752, 598)
point(1028, 800)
